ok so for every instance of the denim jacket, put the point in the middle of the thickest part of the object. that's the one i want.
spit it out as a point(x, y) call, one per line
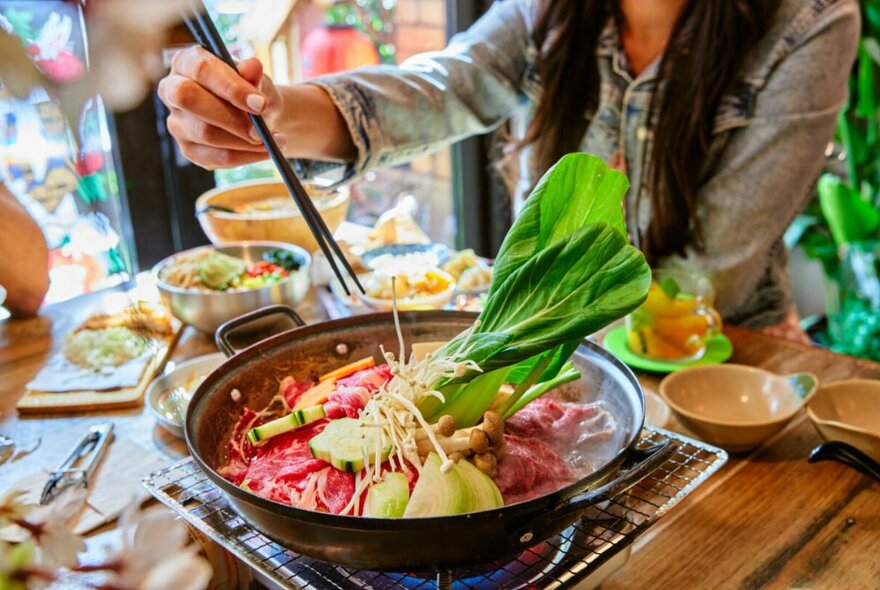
point(767, 148)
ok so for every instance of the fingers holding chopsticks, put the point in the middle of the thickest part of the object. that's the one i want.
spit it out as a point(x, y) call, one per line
point(216, 77)
point(206, 98)
point(212, 158)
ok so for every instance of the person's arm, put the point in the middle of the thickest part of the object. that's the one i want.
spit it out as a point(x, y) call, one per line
point(24, 270)
point(768, 171)
point(372, 116)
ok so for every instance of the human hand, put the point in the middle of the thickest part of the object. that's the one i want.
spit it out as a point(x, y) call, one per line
point(209, 103)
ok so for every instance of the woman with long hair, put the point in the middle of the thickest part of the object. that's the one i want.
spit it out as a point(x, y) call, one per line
point(719, 111)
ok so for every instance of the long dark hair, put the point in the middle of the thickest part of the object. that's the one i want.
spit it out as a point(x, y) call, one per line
point(700, 64)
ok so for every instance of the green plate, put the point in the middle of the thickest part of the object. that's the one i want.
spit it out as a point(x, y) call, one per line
point(718, 350)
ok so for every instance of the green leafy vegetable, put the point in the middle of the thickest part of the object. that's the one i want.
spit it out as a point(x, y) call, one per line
point(218, 270)
point(286, 259)
point(577, 190)
point(567, 375)
point(564, 271)
point(567, 291)
point(850, 218)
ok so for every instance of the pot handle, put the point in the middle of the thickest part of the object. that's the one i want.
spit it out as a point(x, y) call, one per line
point(638, 464)
point(221, 337)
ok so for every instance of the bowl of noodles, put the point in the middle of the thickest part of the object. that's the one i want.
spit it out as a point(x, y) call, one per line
point(264, 210)
point(209, 285)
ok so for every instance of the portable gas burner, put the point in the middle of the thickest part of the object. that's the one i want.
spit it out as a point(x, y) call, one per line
point(580, 557)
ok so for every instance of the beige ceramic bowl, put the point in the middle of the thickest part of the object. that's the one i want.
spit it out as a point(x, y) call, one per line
point(279, 226)
point(735, 406)
point(849, 411)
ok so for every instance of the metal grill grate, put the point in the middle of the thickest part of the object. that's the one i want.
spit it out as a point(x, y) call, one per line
point(560, 562)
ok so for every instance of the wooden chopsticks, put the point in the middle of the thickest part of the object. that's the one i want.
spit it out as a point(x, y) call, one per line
point(205, 33)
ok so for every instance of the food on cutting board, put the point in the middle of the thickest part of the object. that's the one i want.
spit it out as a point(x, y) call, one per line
point(109, 351)
point(141, 316)
point(210, 270)
point(109, 340)
point(105, 347)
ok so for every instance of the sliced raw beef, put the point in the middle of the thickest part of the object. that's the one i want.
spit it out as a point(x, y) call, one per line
point(562, 423)
point(292, 389)
point(353, 392)
point(531, 465)
point(530, 468)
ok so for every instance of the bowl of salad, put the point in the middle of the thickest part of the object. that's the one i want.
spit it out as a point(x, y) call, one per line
point(209, 285)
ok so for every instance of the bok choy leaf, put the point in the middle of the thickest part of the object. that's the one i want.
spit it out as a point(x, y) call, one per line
point(564, 271)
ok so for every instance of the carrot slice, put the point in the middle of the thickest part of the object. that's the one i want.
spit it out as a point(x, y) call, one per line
point(315, 395)
point(365, 363)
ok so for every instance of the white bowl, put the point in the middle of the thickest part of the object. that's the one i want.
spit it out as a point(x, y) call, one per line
point(436, 301)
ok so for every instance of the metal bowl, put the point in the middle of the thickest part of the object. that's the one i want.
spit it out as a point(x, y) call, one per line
point(180, 375)
point(406, 544)
point(206, 310)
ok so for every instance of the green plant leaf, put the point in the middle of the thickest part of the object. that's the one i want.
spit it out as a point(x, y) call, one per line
point(470, 401)
point(567, 375)
point(849, 217)
point(565, 270)
point(871, 49)
point(670, 287)
point(577, 190)
point(564, 293)
point(866, 100)
point(558, 357)
point(798, 229)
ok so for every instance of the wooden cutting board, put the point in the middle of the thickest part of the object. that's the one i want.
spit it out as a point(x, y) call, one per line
point(40, 402)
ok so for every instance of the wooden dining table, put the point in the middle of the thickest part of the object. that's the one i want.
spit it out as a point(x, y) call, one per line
point(767, 519)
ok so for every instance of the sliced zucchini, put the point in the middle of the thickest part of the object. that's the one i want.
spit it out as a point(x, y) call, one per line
point(260, 434)
point(343, 444)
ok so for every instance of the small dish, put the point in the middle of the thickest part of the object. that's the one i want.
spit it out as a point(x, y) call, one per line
point(426, 254)
point(178, 377)
point(849, 411)
point(736, 407)
point(435, 301)
point(718, 350)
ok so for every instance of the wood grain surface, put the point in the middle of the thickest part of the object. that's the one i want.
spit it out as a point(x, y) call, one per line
point(769, 519)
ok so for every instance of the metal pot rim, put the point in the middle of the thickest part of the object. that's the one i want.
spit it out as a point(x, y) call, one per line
point(534, 505)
